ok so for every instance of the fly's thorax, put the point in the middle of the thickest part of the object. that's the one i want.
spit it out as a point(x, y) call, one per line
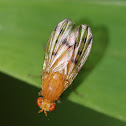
point(52, 86)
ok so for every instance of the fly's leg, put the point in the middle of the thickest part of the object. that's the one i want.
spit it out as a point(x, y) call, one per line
point(71, 87)
point(34, 76)
point(58, 100)
point(77, 93)
point(40, 111)
point(40, 93)
point(45, 113)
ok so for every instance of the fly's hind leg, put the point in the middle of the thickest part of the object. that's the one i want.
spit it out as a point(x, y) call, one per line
point(68, 83)
point(77, 93)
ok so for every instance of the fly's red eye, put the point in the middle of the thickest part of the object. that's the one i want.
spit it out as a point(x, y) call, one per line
point(52, 107)
point(39, 101)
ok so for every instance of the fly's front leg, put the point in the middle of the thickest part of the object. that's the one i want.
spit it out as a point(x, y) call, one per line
point(45, 113)
point(40, 111)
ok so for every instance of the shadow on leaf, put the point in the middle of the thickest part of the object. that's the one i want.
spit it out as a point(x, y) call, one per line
point(100, 44)
point(18, 107)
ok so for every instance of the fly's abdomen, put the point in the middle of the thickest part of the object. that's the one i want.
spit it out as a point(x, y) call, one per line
point(52, 86)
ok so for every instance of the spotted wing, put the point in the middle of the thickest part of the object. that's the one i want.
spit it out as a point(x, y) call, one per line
point(68, 49)
point(57, 39)
point(82, 48)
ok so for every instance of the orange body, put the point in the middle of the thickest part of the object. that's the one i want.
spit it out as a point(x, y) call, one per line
point(52, 87)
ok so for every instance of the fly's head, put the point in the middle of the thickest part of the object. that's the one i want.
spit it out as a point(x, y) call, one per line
point(45, 105)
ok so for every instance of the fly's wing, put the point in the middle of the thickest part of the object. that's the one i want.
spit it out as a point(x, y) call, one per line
point(57, 39)
point(64, 54)
point(68, 49)
point(82, 48)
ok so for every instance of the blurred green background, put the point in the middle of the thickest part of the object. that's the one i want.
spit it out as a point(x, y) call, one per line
point(98, 94)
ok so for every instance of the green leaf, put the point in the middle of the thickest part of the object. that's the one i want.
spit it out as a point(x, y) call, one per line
point(24, 30)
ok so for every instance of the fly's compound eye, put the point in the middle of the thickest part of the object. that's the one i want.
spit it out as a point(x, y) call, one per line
point(39, 101)
point(52, 107)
